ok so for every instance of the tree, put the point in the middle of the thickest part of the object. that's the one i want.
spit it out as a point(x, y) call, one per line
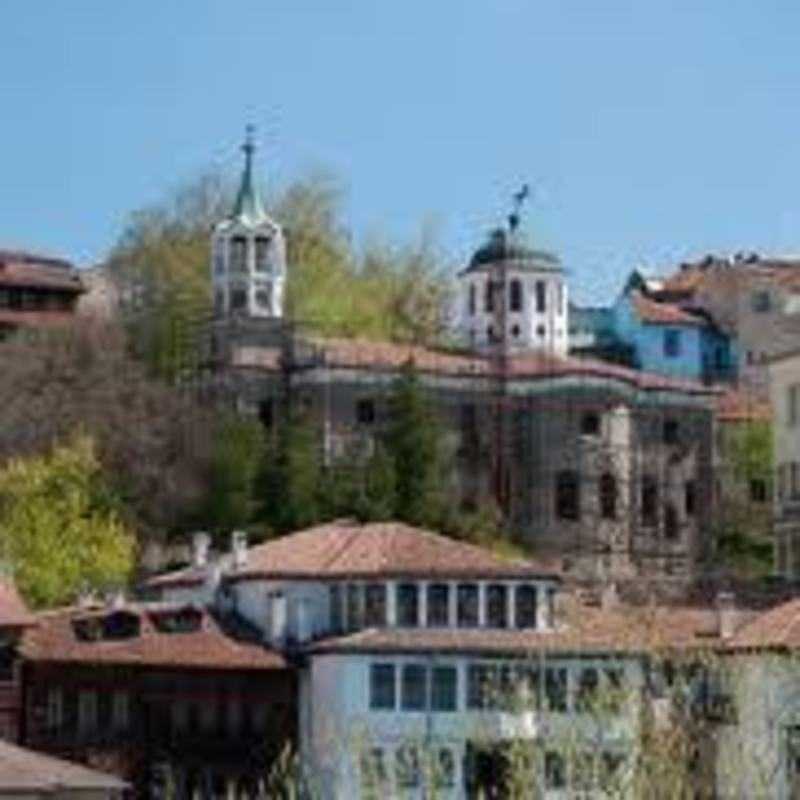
point(414, 444)
point(152, 441)
point(60, 524)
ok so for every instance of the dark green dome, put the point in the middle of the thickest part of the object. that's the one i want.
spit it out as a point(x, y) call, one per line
point(504, 246)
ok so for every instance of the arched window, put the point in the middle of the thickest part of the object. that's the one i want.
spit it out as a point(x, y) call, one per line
point(488, 297)
point(238, 257)
point(541, 296)
point(608, 496)
point(263, 255)
point(649, 500)
point(670, 522)
point(515, 295)
point(471, 301)
point(568, 495)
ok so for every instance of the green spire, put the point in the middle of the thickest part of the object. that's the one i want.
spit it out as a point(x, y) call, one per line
point(248, 205)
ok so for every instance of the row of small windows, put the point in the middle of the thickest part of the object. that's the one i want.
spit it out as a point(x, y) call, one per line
point(239, 252)
point(568, 500)
point(355, 606)
point(496, 687)
point(516, 296)
point(591, 425)
point(33, 300)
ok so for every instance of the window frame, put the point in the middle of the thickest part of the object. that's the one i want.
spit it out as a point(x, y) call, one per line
point(377, 700)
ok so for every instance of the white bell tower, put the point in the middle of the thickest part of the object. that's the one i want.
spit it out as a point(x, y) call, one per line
point(248, 254)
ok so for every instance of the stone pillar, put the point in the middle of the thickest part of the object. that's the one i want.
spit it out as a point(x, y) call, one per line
point(422, 605)
point(542, 621)
point(452, 605)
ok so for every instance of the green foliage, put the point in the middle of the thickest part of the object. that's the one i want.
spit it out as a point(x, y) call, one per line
point(60, 525)
point(750, 450)
point(237, 457)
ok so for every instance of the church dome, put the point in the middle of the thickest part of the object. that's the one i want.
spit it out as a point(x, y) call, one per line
point(504, 246)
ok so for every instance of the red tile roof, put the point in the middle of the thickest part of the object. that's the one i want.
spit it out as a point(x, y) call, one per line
point(740, 406)
point(360, 354)
point(777, 628)
point(36, 319)
point(13, 611)
point(656, 313)
point(346, 549)
point(27, 772)
point(40, 275)
point(581, 629)
point(214, 646)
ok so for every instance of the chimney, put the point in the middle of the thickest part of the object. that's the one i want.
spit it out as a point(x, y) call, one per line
point(239, 549)
point(726, 613)
point(201, 541)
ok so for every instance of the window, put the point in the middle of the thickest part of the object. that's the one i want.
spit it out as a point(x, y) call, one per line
point(672, 343)
point(515, 295)
point(586, 696)
point(525, 611)
point(608, 496)
point(375, 605)
point(792, 734)
point(365, 411)
point(355, 607)
point(238, 260)
point(467, 602)
point(335, 604)
point(444, 689)
point(568, 496)
point(407, 605)
point(265, 413)
point(219, 302)
point(55, 708)
point(615, 689)
point(381, 687)
point(471, 304)
point(263, 297)
point(407, 773)
point(540, 331)
point(560, 305)
point(760, 301)
point(515, 331)
point(669, 431)
point(541, 297)
point(649, 501)
point(758, 490)
point(689, 498)
point(238, 299)
point(590, 423)
point(120, 711)
point(480, 680)
point(497, 606)
point(555, 688)
point(792, 405)
point(263, 255)
point(87, 711)
point(488, 297)
point(414, 687)
point(671, 524)
point(438, 605)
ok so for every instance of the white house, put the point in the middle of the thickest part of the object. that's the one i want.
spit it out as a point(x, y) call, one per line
point(424, 663)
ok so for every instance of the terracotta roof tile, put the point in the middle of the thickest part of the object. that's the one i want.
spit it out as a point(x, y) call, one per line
point(658, 313)
point(33, 275)
point(13, 611)
point(779, 627)
point(580, 629)
point(740, 406)
point(213, 646)
point(28, 772)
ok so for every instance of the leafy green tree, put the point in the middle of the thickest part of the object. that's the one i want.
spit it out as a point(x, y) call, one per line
point(60, 524)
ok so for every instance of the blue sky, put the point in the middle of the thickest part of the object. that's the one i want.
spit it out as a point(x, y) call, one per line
point(650, 130)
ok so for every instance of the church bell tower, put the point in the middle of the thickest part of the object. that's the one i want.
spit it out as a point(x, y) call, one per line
point(248, 253)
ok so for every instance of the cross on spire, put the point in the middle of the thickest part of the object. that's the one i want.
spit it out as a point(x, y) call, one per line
point(518, 199)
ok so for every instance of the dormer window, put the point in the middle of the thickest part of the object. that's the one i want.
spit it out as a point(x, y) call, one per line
point(407, 605)
point(114, 626)
point(184, 620)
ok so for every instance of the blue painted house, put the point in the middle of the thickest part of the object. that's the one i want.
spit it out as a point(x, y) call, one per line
point(655, 336)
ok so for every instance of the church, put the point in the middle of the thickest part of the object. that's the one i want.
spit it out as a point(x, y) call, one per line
point(606, 469)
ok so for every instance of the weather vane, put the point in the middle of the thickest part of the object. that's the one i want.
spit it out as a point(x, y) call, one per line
point(518, 200)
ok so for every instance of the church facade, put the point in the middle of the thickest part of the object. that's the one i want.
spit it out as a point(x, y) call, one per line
point(607, 469)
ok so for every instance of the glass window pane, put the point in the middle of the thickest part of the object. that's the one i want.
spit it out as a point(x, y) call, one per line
point(407, 605)
point(497, 606)
point(555, 687)
point(467, 605)
point(444, 691)
point(414, 687)
point(335, 603)
point(525, 611)
point(438, 605)
point(375, 606)
point(382, 689)
point(355, 608)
